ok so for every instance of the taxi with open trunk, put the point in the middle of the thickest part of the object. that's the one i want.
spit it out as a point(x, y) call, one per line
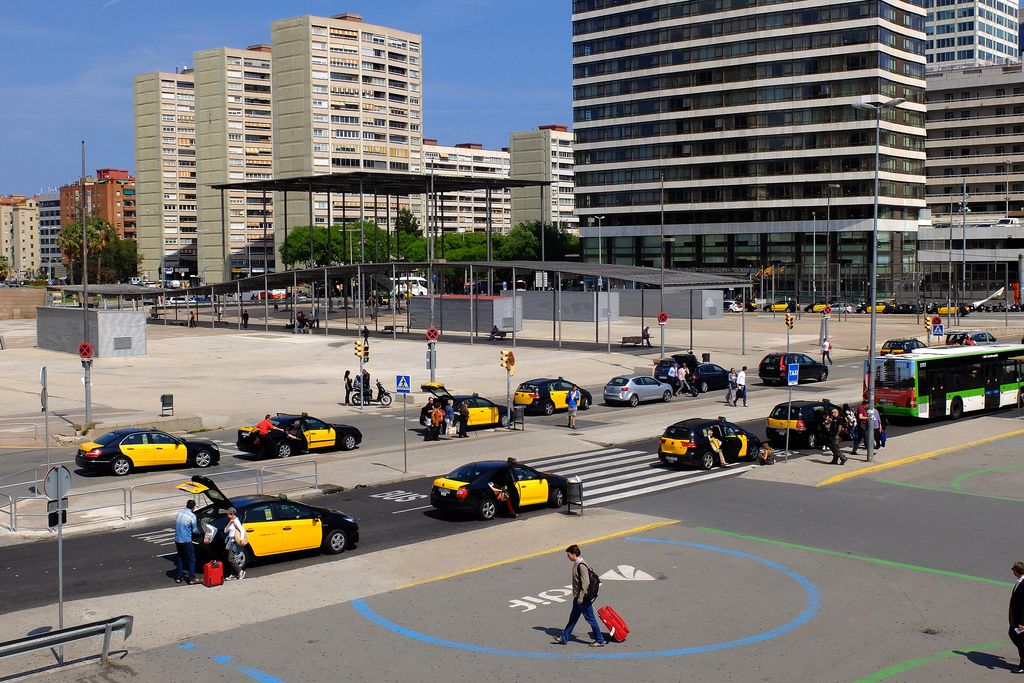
point(689, 443)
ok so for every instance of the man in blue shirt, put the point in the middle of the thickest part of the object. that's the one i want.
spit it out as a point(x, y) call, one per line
point(572, 402)
point(185, 525)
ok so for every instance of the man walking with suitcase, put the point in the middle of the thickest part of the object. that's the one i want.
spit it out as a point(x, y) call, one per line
point(582, 604)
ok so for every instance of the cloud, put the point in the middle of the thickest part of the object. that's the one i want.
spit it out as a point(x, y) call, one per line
point(110, 3)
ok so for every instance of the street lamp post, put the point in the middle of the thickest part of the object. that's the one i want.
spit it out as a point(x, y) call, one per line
point(814, 258)
point(661, 246)
point(877, 107)
point(599, 219)
point(1006, 165)
point(828, 227)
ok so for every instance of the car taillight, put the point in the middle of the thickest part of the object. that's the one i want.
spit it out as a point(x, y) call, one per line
point(689, 444)
point(801, 426)
point(94, 453)
point(462, 492)
point(624, 389)
point(782, 363)
point(535, 396)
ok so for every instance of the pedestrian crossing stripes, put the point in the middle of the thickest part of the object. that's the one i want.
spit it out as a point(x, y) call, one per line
point(612, 474)
point(227, 448)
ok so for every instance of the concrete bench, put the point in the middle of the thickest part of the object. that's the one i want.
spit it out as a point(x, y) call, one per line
point(635, 341)
point(389, 329)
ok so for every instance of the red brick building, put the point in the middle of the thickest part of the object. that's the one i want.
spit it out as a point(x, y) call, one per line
point(110, 196)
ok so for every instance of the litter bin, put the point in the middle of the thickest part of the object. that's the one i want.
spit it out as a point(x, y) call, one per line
point(705, 358)
point(574, 495)
point(519, 416)
point(166, 404)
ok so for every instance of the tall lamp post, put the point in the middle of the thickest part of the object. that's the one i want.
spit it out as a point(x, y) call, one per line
point(1007, 165)
point(828, 227)
point(599, 219)
point(877, 107)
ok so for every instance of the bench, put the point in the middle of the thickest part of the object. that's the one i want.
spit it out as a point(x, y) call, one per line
point(391, 329)
point(635, 341)
point(496, 334)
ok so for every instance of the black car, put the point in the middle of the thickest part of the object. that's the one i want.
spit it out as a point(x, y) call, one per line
point(468, 489)
point(688, 359)
point(710, 376)
point(773, 370)
point(905, 308)
point(688, 443)
point(302, 433)
point(548, 395)
point(898, 346)
point(803, 422)
point(274, 525)
point(124, 450)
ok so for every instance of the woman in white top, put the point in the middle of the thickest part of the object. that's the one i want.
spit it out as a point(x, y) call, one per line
point(236, 538)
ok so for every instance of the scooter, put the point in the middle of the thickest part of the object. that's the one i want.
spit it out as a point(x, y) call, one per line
point(360, 397)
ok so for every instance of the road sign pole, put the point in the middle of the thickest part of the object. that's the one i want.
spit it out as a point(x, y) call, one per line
point(789, 406)
point(405, 433)
point(508, 398)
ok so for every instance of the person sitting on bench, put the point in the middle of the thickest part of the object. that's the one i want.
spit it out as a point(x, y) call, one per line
point(496, 333)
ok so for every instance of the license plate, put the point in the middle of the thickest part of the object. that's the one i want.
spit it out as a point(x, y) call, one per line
point(442, 492)
point(671, 458)
point(778, 431)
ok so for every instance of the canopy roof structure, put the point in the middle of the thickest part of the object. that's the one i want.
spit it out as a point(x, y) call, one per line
point(380, 183)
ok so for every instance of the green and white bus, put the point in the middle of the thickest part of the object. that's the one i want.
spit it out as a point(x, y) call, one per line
point(948, 381)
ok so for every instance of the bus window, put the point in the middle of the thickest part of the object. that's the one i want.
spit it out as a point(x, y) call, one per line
point(893, 373)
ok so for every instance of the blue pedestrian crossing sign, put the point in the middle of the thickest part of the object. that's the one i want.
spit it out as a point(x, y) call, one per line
point(938, 330)
point(403, 384)
point(793, 374)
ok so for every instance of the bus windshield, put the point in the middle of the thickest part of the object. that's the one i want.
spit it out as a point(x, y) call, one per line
point(894, 373)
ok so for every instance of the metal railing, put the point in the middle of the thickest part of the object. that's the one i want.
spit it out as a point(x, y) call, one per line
point(131, 501)
point(72, 634)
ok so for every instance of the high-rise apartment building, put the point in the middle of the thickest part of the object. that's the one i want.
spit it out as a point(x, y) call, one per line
point(109, 196)
point(19, 234)
point(347, 97)
point(467, 211)
point(165, 162)
point(748, 116)
point(544, 154)
point(975, 145)
point(49, 225)
point(971, 32)
point(234, 144)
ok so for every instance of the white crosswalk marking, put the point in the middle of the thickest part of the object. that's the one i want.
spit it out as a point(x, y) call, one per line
point(159, 537)
point(613, 474)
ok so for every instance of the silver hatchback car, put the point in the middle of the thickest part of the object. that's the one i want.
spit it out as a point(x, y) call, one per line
point(632, 389)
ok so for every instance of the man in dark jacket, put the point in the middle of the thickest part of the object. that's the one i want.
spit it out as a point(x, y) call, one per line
point(834, 424)
point(581, 606)
point(1017, 614)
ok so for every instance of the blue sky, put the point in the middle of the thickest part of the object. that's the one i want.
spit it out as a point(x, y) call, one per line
point(66, 69)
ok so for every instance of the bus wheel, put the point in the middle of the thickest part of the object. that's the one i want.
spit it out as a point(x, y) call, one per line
point(956, 409)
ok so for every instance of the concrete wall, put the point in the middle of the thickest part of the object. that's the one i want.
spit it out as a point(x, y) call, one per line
point(575, 306)
point(707, 303)
point(112, 333)
point(453, 313)
point(20, 302)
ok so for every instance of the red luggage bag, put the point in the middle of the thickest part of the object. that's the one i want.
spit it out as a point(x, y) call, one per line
point(213, 574)
point(617, 628)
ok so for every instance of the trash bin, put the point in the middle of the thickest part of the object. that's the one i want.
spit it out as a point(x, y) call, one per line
point(519, 416)
point(705, 358)
point(574, 494)
point(166, 404)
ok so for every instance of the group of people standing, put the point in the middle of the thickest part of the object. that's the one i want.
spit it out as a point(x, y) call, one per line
point(737, 387)
point(444, 420)
point(839, 421)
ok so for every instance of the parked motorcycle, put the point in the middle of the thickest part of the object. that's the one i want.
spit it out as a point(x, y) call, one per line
point(361, 397)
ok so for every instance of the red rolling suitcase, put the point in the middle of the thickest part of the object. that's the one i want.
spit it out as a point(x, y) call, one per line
point(213, 574)
point(617, 628)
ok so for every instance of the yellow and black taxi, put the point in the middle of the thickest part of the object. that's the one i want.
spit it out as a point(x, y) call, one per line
point(898, 346)
point(124, 450)
point(470, 489)
point(300, 434)
point(482, 412)
point(781, 306)
point(803, 420)
point(880, 307)
point(689, 443)
point(548, 395)
point(274, 525)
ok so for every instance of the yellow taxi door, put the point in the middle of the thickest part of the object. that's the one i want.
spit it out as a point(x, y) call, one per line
point(318, 434)
point(302, 531)
point(481, 414)
point(558, 392)
point(266, 536)
point(166, 450)
point(134, 447)
point(532, 489)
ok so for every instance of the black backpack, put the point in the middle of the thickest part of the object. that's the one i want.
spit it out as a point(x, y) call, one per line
point(594, 585)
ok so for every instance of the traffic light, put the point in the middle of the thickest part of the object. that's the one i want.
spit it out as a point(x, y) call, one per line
point(366, 352)
point(362, 350)
point(927, 327)
point(508, 361)
point(789, 320)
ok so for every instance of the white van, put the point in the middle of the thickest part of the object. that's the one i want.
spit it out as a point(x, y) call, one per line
point(409, 285)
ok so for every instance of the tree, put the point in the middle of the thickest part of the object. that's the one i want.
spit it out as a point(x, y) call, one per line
point(557, 241)
point(119, 261)
point(5, 267)
point(406, 223)
point(69, 240)
point(520, 244)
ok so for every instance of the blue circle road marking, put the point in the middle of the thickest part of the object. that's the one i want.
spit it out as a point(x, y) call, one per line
point(811, 607)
